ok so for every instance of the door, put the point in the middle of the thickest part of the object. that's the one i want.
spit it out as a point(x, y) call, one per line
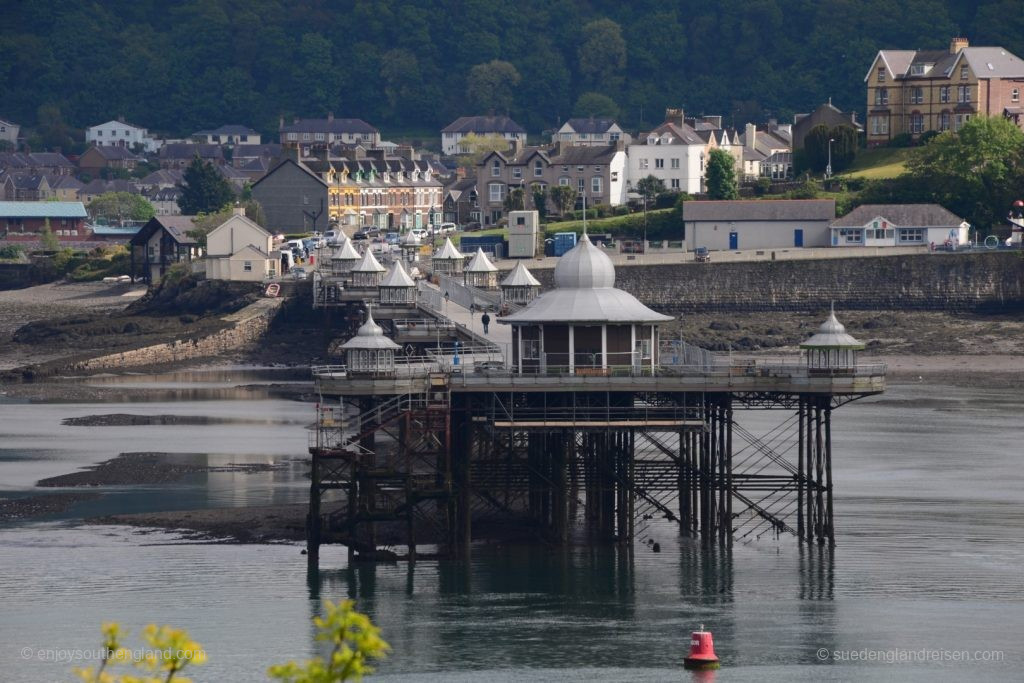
point(734, 240)
point(798, 237)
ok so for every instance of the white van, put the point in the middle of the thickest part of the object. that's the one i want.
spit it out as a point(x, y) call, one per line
point(445, 228)
point(331, 237)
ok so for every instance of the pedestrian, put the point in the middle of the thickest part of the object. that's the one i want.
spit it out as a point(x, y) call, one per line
point(486, 320)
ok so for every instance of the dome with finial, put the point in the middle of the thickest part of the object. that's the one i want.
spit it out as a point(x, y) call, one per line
point(832, 334)
point(584, 266)
point(370, 335)
point(585, 292)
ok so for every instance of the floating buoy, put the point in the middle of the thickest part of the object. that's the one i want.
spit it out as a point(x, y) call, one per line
point(702, 651)
point(656, 547)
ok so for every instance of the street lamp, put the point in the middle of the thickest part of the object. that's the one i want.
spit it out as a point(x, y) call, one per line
point(828, 168)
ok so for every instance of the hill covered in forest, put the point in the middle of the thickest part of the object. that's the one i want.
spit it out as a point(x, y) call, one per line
point(407, 65)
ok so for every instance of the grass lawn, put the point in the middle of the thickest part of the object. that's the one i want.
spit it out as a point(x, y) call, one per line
point(881, 162)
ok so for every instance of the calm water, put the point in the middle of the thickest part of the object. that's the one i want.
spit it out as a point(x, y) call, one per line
point(929, 517)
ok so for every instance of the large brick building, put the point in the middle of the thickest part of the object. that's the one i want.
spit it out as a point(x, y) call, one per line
point(915, 91)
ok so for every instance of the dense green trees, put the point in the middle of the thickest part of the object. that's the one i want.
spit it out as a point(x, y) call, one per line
point(120, 206)
point(721, 175)
point(205, 190)
point(815, 155)
point(182, 65)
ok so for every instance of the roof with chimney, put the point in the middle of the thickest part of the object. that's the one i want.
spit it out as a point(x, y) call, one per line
point(672, 133)
point(187, 150)
point(985, 62)
point(589, 125)
point(229, 129)
point(483, 125)
point(328, 125)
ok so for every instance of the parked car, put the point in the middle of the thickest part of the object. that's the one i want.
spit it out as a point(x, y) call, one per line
point(471, 227)
point(297, 273)
point(701, 255)
point(331, 237)
point(421, 234)
point(391, 238)
point(361, 235)
point(446, 228)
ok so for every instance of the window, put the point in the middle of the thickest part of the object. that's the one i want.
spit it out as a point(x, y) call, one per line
point(581, 185)
point(643, 164)
point(879, 125)
point(917, 69)
point(293, 136)
point(531, 349)
point(675, 163)
point(517, 172)
point(99, 133)
point(944, 94)
point(247, 266)
point(850, 235)
point(1014, 95)
point(538, 168)
point(583, 136)
point(496, 192)
point(944, 120)
point(917, 96)
point(495, 168)
point(881, 97)
point(675, 183)
point(659, 163)
point(305, 136)
point(910, 235)
point(963, 73)
point(595, 185)
point(963, 94)
point(916, 123)
point(563, 181)
point(881, 74)
point(319, 136)
point(614, 137)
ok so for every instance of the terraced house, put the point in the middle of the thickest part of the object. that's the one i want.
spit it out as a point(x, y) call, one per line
point(916, 91)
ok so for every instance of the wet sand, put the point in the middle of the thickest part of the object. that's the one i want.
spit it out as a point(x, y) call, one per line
point(145, 468)
point(43, 505)
point(258, 524)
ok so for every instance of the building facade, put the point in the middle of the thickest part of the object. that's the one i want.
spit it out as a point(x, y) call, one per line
point(9, 131)
point(238, 249)
point(119, 133)
point(584, 132)
point(25, 221)
point(320, 132)
point(899, 225)
point(673, 153)
point(293, 197)
point(757, 224)
point(502, 126)
point(229, 135)
point(916, 91)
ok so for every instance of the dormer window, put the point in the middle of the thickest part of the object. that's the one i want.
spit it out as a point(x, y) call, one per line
point(919, 69)
point(495, 168)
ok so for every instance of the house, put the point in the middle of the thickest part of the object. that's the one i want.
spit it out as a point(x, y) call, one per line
point(164, 200)
point(47, 163)
point(95, 188)
point(65, 188)
point(916, 91)
point(598, 173)
point(24, 221)
point(460, 202)
point(229, 135)
point(825, 115)
point(159, 244)
point(673, 152)
point(181, 154)
point(239, 249)
point(245, 153)
point(293, 197)
point(502, 126)
point(9, 132)
point(119, 133)
point(320, 132)
point(585, 132)
point(29, 187)
point(767, 153)
point(899, 225)
point(757, 224)
point(238, 179)
point(97, 158)
point(161, 179)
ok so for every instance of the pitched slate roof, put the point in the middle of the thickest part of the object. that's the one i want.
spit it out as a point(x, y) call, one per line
point(42, 210)
point(907, 215)
point(113, 153)
point(483, 124)
point(187, 150)
point(590, 125)
point(270, 150)
point(329, 126)
point(301, 166)
point(229, 129)
point(993, 62)
point(164, 176)
point(572, 155)
point(760, 210)
point(680, 134)
point(176, 227)
point(65, 182)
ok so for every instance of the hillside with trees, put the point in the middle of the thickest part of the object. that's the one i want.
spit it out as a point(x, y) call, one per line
point(176, 67)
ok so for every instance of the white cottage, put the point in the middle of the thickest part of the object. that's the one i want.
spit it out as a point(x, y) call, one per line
point(239, 249)
point(585, 326)
point(899, 225)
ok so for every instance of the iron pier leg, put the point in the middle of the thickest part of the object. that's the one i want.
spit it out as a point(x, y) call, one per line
point(800, 470)
point(313, 526)
point(830, 532)
point(819, 502)
point(728, 475)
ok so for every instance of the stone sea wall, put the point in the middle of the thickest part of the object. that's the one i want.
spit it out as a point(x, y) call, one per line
point(984, 281)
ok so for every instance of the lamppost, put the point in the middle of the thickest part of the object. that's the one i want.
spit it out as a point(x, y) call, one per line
point(828, 168)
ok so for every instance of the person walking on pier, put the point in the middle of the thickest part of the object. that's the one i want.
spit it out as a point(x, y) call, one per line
point(486, 320)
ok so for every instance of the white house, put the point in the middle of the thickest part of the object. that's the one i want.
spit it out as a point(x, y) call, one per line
point(673, 153)
point(9, 131)
point(239, 249)
point(899, 225)
point(119, 133)
point(502, 126)
point(228, 135)
point(589, 131)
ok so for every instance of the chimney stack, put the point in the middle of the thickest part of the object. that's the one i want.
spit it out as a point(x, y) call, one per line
point(280, 123)
point(676, 116)
point(239, 210)
point(958, 44)
point(751, 136)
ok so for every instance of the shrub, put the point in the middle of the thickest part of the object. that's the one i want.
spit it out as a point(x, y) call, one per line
point(11, 252)
point(901, 140)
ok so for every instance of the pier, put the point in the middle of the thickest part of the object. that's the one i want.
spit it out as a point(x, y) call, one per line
point(573, 420)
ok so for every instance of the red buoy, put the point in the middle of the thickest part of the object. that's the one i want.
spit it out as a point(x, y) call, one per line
point(702, 651)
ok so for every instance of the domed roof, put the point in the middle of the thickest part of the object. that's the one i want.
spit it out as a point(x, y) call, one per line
point(832, 335)
point(584, 266)
point(585, 292)
point(480, 263)
point(370, 335)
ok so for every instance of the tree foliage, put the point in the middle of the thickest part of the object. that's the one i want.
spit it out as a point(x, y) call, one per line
point(168, 651)
point(564, 197)
point(490, 87)
point(121, 206)
point(721, 175)
point(815, 156)
point(540, 200)
point(650, 187)
point(595, 104)
point(407, 63)
point(204, 190)
point(976, 172)
point(479, 146)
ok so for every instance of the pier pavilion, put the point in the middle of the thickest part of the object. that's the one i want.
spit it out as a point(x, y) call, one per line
point(593, 425)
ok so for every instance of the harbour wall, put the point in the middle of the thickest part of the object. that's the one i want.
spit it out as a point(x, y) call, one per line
point(978, 281)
